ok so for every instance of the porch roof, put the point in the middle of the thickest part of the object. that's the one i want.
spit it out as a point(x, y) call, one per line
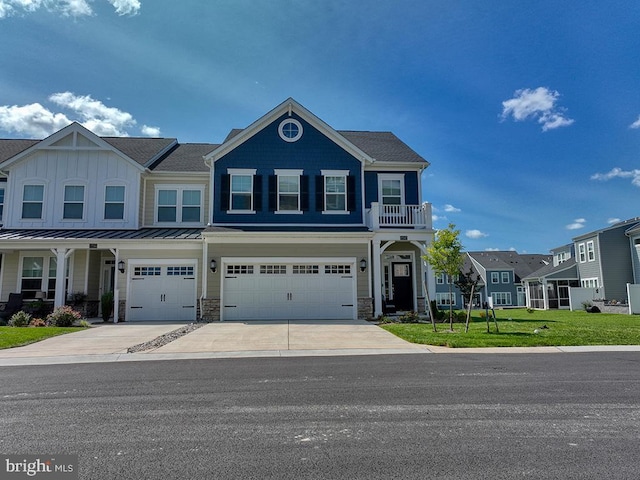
point(569, 267)
point(103, 234)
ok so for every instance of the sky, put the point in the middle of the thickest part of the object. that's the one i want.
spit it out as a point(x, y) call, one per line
point(528, 112)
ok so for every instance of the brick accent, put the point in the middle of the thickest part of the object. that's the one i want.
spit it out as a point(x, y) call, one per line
point(422, 305)
point(122, 309)
point(365, 308)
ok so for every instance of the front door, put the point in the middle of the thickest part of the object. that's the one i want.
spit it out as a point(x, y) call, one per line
point(402, 283)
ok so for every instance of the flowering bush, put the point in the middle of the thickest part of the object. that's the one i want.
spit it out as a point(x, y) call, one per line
point(63, 317)
point(19, 319)
point(37, 322)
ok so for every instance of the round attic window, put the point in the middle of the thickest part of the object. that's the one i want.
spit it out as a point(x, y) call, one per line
point(290, 130)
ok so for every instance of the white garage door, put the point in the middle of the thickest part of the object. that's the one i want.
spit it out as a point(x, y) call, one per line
point(162, 292)
point(289, 290)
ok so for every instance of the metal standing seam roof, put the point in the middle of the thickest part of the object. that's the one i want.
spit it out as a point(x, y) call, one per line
point(144, 233)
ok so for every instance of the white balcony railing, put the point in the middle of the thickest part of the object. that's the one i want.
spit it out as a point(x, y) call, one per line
point(400, 216)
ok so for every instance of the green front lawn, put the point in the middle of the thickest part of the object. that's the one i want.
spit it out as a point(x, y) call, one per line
point(19, 336)
point(517, 330)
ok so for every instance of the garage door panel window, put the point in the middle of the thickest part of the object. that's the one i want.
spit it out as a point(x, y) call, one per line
point(273, 269)
point(180, 271)
point(306, 269)
point(337, 269)
point(239, 269)
point(147, 271)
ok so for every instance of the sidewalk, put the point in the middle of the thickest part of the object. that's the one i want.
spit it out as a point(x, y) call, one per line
point(109, 343)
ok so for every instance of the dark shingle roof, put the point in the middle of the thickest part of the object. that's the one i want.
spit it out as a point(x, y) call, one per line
point(382, 146)
point(551, 269)
point(10, 148)
point(141, 150)
point(185, 158)
point(521, 263)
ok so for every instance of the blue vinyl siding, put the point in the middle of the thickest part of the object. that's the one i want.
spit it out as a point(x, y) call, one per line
point(411, 179)
point(266, 151)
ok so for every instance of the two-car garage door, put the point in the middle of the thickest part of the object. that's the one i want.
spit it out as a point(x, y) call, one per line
point(255, 289)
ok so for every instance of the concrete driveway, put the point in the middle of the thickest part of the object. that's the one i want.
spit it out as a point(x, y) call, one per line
point(287, 335)
point(107, 342)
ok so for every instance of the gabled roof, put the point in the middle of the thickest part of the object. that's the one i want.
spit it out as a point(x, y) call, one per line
point(628, 224)
point(74, 132)
point(550, 269)
point(382, 146)
point(522, 264)
point(289, 106)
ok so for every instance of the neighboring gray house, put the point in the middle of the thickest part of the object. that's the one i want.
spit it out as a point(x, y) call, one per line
point(501, 275)
point(601, 260)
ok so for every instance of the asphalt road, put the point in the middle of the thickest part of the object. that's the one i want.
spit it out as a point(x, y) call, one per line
point(461, 416)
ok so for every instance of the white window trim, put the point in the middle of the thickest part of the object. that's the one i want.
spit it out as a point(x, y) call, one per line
point(391, 176)
point(591, 251)
point(582, 253)
point(335, 173)
point(124, 202)
point(3, 188)
point(73, 183)
point(445, 296)
point(504, 295)
point(179, 189)
point(586, 281)
point(33, 182)
point(288, 173)
point(495, 277)
point(46, 264)
point(281, 130)
point(244, 172)
point(502, 275)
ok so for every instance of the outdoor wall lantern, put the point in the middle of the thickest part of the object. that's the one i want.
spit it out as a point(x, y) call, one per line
point(213, 265)
point(121, 266)
point(363, 265)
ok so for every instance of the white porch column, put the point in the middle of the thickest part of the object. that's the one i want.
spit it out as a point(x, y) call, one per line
point(377, 278)
point(61, 269)
point(116, 286)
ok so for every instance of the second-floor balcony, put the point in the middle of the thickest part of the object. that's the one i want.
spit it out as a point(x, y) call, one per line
point(399, 216)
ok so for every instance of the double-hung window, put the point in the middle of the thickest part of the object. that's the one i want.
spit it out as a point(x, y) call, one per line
point(288, 191)
point(73, 202)
point(495, 277)
point(241, 191)
point(32, 199)
point(38, 274)
point(179, 204)
point(391, 189)
point(581, 253)
point(114, 202)
point(335, 191)
point(591, 253)
point(504, 277)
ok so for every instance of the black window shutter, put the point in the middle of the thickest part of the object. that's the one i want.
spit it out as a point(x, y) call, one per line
point(273, 193)
point(257, 193)
point(225, 191)
point(304, 193)
point(319, 193)
point(351, 193)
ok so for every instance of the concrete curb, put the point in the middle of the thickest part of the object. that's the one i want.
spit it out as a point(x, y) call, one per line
point(145, 357)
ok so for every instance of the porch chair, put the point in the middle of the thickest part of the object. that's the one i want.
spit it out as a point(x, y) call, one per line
point(13, 305)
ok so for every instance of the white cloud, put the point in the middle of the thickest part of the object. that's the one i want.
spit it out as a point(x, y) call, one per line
point(67, 8)
point(33, 120)
point(577, 224)
point(635, 124)
point(611, 221)
point(491, 249)
point(475, 234)
point(616, 172)
point(537, 104)
point(435, 218)
point(36, 121)
point(451, 209)
point(150, 131)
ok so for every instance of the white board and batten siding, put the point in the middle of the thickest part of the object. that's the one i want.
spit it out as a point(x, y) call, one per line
point(54, 169)
point(289, 288)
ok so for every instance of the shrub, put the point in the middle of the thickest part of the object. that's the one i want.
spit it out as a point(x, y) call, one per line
point(530, 310)
point(408, 317)
point(84, 323)
point(383, 319)
point(19, 319)
point(37, 322)
point(63, 317)
point(439, 314)
point(586, 305)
